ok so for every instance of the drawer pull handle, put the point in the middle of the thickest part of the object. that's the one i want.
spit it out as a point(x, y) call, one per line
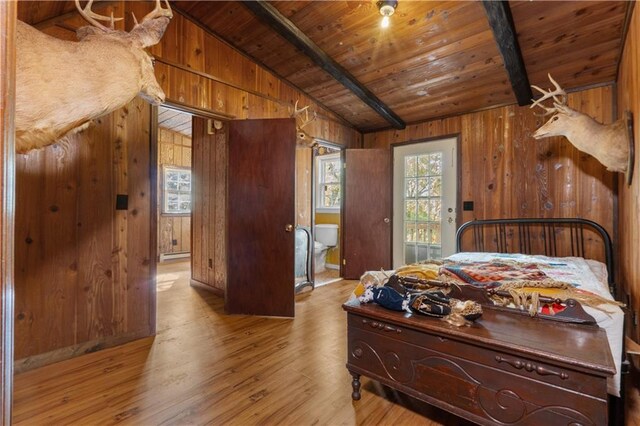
point(529, 366)
point(381, 326)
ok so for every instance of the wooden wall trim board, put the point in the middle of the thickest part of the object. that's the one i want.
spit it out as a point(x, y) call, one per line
point(8, 15)
point(207, 287)
point(628, 99)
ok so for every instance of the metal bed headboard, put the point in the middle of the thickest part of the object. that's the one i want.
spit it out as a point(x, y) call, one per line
point(537, 236)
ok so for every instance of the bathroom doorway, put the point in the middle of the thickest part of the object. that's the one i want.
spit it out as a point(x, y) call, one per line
point(326, 206)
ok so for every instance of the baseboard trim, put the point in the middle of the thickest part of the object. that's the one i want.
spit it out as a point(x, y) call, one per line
point(170, 256)
point(331, 266)
point(57, 355)
point(215, 290)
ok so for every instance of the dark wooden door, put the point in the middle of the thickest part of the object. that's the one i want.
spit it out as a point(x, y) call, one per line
point(260, 217)
point(367, 211)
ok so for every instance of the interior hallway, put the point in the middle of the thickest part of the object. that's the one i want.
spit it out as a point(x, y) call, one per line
point(206, 367)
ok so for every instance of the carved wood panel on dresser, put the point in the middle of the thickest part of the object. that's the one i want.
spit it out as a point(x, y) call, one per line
point(505, 368)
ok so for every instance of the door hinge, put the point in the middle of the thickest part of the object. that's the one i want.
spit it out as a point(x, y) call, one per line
point(344, 261)
point(344, 166)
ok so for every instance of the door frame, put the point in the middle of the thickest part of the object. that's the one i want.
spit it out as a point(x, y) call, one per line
point(342, 149)
point(154, 176)
point(8, 14)
point(457, 137)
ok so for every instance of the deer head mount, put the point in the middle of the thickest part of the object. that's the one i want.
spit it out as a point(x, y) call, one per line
point(62, 85)
point(610, 144)
point(302, 119)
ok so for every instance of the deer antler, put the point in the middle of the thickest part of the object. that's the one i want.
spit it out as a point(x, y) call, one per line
point(157, 12)
point(305, 120)
point(93, 17)
point(559, 97)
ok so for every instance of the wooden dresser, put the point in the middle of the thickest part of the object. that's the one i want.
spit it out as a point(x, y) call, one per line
point(505, 368)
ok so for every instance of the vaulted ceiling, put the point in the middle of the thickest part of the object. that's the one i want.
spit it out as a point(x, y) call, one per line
point(435, 60)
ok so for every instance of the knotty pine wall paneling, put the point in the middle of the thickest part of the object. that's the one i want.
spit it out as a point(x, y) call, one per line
point(209, 208)
point(174, 149)
point(629, 196)
point(507, 173)
point(8, 12)
point(85, 271)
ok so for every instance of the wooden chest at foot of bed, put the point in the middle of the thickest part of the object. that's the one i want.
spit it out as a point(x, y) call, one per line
point(504, 368)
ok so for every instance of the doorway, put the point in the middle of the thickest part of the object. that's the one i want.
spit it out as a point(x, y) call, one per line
point(326, 207)
point(173, 206)
point(425, 199)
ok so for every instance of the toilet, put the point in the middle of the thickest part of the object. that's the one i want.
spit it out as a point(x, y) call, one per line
point(326, 237)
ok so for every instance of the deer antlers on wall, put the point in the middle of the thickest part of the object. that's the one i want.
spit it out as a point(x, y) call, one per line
point(62, 85)
point(610, 144)
point(302, 119)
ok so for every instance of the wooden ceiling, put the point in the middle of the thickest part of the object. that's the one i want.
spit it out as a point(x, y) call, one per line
point(436, 59)
point(174, 120)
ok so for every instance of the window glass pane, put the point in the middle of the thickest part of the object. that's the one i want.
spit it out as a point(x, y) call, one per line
point(410, 209)
point(435, 233)
point(410, 233)
point(421, 233)
point(423, 164)
point(422, 187)
point(331, 171)
point(331, 195)
point(434, 187)
point(435, 164)
point(410, 188)
point(410, 253)
point(423, 210)
point(410, 166)
point(435, 207)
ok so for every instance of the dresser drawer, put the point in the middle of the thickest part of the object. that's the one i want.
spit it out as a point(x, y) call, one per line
point(518, 365)
point(471, 381)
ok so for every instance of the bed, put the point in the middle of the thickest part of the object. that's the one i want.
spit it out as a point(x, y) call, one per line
point(565, 250)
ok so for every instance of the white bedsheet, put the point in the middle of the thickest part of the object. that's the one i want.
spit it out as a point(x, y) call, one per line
point(589, 275)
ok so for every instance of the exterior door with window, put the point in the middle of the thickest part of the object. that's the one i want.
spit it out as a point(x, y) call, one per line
point(424, 200)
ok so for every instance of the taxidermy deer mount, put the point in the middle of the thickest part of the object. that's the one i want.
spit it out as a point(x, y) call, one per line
point(62, 85)
point(302, 138)
point(610, 144)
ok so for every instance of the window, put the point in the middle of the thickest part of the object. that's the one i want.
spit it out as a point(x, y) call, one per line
point(328, 187)
point(177, 191)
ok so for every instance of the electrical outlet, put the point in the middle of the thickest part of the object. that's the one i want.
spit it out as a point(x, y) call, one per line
point(174, 242)
point(210, 263)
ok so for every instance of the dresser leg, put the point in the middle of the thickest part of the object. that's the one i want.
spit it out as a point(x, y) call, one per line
point(355, 384)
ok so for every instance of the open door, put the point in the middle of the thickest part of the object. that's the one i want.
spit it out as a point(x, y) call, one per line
point(261, 217)
point(366, 236)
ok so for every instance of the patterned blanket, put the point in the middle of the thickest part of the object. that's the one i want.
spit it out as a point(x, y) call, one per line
point(492, 274)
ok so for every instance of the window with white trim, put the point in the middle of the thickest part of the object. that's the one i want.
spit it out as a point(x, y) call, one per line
point(328, 187)
point(176, 190)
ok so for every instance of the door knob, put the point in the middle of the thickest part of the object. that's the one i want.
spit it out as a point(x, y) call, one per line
point(386, 220)
point(288, 227)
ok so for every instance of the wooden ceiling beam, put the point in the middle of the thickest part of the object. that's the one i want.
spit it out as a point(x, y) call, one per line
point(283, 26)
point(504, 31)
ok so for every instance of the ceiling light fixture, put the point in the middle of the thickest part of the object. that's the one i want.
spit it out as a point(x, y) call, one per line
point(386, 7)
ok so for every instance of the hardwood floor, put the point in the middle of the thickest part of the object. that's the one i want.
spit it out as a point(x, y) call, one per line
point(204, 367)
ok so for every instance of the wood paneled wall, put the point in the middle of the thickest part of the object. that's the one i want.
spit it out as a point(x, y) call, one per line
point(209, 207)
point(197, 69)
point(84, 270)
point(506, 173)
point(7, 160)
point(174, 149)
point(629, 196)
